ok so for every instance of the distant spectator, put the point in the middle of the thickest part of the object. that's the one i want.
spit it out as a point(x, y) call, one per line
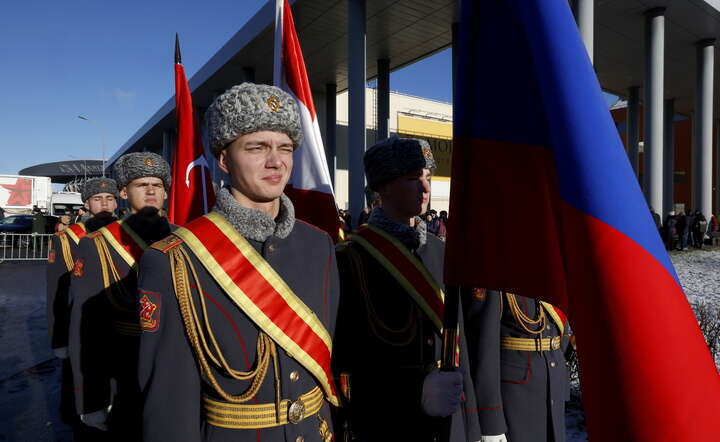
point(39, 224)
point(689, 220)
point(656, 218)
point(2, 213)
point(443, 223)
point(372, 199)
point(681, 224)
point(79, 216)
point(713, 224)
point(62, 223)
point(671, 231)
point(698, 229)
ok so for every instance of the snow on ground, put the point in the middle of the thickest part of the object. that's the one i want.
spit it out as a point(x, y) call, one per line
point(699, 274)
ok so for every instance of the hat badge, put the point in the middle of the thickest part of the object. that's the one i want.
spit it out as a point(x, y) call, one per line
point(103, 185)
point(148, 162)
point(273, 103)
point(427, 153)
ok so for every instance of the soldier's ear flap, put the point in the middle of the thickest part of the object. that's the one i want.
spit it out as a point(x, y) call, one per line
point(123, 193)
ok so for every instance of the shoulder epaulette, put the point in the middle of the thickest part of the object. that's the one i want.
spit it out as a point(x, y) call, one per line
point(165, 245)
point(94, 234)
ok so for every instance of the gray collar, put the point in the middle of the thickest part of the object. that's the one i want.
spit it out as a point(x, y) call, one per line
point(411, 237)
point(252, 223)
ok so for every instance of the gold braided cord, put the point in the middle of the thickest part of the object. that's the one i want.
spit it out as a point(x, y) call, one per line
point(67, 253)
point(108, 268)
point(403, 335)
point(199, 331)
point(524, 320)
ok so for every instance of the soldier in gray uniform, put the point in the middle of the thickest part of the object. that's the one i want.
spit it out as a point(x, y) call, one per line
point(100, 197)
point(104, 332)
point(518, 365)
point(388, 338)
point(238, 307)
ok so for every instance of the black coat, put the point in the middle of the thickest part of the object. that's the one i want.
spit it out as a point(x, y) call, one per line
point(58, 289)
point(387, 369)
point(168, 371)
point(519, 393)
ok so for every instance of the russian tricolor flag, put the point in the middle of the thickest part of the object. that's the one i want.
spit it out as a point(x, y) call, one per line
point(309, 188)
point(544, 203)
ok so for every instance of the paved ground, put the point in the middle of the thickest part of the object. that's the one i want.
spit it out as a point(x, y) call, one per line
point(29, 373)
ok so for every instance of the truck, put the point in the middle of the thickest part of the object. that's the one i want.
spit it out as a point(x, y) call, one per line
point(20, 193)
point(65, 203)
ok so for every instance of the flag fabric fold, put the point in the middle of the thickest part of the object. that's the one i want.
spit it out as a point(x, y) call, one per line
point(545, 203)
point(310, 187)
point(191, 194)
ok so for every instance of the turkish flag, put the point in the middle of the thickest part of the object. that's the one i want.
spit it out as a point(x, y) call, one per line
point(309, 188)
point(192, 194)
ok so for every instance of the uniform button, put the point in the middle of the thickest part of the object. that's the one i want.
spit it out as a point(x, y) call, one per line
point(299, 439)
point(430, 341)
point(552, 401)
point(547, 328)
point(553, 364)
point(271, 248)
point(294, 376)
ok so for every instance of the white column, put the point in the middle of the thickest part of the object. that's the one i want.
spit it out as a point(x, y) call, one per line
point(702, 166)
point(654, 95)
point(585, 17)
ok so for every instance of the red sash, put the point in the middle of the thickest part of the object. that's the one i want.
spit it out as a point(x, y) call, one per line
point(125, 241)
point(76, 232)
point(409, 272)
point(252, 284)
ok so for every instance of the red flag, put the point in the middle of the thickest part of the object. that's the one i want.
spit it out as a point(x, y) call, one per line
point(309, 188)
point(544, 204)
point(191, 194)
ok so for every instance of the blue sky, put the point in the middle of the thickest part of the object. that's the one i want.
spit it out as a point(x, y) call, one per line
point(113, 63)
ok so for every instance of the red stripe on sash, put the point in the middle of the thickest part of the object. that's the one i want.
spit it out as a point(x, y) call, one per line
point(125, 240)
point(260, 291)
point(408, 269)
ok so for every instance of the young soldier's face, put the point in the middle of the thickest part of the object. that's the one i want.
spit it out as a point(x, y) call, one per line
point(409, 194)
point(101, 202)
point(259, 164)
point(144, 192)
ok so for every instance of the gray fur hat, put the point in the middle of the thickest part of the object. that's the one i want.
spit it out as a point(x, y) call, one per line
point(139, 165)
point(99, 185)
point(248, 108)
point(394, 157)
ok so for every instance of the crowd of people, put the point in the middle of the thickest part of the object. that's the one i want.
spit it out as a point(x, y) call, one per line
point(686, 229)
point(248, 324)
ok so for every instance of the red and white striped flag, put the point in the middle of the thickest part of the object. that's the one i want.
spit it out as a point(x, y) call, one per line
point(309, 188)
point(191, 194)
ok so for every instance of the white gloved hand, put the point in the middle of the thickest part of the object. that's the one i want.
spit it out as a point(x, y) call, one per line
point(498, 438)
point(96, 419)
point(442, 391)
point(61, 353)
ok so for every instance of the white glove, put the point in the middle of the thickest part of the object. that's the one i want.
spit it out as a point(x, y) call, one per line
point(61, 353)
point(498, 438)
point(96, 419)
point(442, 391)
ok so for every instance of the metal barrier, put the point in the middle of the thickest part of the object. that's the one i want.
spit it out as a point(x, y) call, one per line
point(24, 246)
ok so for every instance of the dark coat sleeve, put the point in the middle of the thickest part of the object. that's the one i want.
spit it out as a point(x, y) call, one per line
point(482, 326)
point(167, 372)
point(58, 302)
point(90, 331)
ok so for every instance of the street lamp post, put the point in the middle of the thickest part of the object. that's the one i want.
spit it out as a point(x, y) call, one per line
point(102, 134)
